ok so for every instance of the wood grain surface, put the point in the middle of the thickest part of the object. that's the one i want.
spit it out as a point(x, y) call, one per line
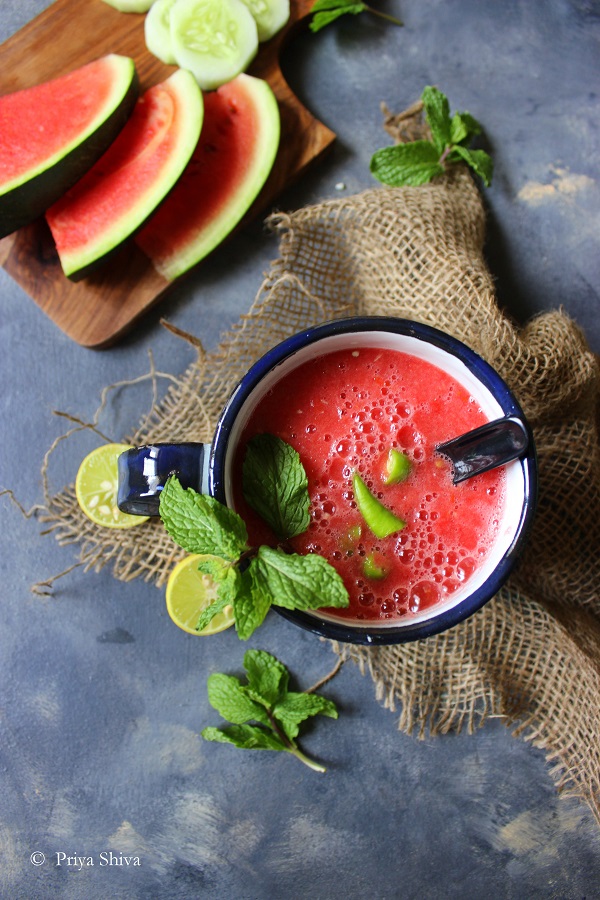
point(98, 310)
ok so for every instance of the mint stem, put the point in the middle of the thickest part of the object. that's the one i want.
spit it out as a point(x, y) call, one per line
point(292, 747)
point(382, 15)
point(445, 154)
point(247, 554)
point(316, 767)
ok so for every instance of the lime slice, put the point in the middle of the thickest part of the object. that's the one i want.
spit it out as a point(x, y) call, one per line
point(96, 488)
point(378, 518)
point(214, 39)
point(189, 592)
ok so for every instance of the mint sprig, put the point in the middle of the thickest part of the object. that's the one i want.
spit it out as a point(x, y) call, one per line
point(275, 485)
point(418, 162)
point(264, 714)
point(327, 11)
point(252, 579)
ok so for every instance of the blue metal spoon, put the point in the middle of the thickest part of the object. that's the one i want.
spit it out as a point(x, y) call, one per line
point(493, 444)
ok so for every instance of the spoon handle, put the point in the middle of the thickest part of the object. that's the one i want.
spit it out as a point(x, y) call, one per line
point(486, 447)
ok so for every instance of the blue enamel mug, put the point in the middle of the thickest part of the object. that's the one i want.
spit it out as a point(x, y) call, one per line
point(207, 468)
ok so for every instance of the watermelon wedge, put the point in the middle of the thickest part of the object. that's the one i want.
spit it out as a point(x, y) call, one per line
point(235, 153)
point(51, 134)
point(125, 186)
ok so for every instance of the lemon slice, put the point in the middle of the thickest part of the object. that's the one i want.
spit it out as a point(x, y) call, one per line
point(189, 592)
point(96, 488)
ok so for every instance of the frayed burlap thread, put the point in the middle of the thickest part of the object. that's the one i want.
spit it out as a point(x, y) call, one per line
point(531, 655)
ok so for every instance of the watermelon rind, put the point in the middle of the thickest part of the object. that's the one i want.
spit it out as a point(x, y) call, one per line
point(76, 214)
point(26, 197)
point(172, 261)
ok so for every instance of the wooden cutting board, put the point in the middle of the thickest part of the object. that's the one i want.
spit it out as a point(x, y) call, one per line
point(98, 310)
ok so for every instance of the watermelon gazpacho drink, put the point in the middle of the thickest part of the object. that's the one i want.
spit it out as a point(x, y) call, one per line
point(366, 418)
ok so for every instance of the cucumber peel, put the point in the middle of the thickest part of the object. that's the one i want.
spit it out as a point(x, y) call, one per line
point(378, 518)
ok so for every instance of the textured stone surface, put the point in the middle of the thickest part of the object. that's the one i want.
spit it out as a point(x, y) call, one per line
point(103, 699)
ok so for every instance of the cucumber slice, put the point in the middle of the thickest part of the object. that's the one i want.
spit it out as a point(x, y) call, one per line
point(378, 518)
point(270, 16)
point(134, 6)
point(157, 31)
point(373, 569)
point(214, 39)
point(398, 467)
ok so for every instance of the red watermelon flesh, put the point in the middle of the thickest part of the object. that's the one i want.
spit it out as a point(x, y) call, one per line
point(50, 134)
point(235, 153)
point(122, 190)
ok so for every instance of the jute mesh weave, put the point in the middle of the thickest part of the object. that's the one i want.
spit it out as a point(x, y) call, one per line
point(531, 655)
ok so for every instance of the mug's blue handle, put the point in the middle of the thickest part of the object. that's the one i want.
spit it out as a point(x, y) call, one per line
point(143, 472)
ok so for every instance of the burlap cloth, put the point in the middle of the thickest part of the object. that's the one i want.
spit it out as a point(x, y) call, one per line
point(532, 655)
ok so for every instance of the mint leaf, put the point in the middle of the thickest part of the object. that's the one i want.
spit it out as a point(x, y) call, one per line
point(437, 113)
point(251, 604)
point(321, 19)
point(296, 708)
point(463, 127)
point(200, 524)
point(230, 698)
point(480, 161)
point(246, 737)
point(341, 5)
point(267, 677)
point(406, 164)
point(299, 582)
point(266, 700)
point(326, 11)
point(275, 485)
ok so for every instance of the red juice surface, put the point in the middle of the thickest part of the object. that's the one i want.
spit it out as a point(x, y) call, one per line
point(343, 412)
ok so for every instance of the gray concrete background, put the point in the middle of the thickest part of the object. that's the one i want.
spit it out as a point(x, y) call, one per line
point(102, 699)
